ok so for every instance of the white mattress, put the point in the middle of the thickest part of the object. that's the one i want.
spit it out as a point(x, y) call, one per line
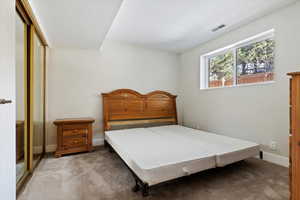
point(163, 153)
point(155, 158)
point(227, 150)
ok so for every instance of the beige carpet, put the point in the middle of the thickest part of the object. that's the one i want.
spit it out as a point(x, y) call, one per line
point(102, 176)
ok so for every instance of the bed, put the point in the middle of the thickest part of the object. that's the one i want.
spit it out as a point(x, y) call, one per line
point(143, 131)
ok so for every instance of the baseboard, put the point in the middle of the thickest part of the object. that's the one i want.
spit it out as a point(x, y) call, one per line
point(276, 159)
point(51, 148)
point(96, 142)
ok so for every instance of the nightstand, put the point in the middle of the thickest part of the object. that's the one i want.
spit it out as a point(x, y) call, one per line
point(74, 135)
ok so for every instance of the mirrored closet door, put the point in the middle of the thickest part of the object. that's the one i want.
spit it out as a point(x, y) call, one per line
point(37, 97)
point(21, 97)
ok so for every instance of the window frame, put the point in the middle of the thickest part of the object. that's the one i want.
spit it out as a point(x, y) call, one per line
point(205, 65)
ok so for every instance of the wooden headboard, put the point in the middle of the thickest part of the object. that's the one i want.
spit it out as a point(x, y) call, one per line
point(128, 107)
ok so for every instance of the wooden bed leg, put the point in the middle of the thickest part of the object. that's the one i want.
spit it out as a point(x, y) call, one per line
point(136, 188)
point(145, 190)
point(261, 155)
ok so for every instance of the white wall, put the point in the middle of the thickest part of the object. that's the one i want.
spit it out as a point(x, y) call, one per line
point(257, 113)
point(7, 90)
point(76, 78)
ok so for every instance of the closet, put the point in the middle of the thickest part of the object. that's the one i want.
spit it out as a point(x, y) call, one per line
point(295, 135)
point(30, 51)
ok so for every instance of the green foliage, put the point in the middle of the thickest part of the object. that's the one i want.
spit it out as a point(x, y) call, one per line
point(259, 52)
point(221, 66)
point(254, 55)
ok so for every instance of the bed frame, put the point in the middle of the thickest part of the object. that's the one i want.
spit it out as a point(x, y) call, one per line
point(125, 107)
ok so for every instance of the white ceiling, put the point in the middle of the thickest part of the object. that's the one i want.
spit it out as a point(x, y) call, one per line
point(75, 23)
point(177, 25)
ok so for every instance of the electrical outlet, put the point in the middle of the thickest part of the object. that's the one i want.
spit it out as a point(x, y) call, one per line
point(273, 145)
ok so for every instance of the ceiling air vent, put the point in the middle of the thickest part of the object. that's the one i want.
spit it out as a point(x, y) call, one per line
point(218, 28)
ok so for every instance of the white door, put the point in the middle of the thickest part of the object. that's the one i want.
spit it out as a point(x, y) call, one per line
point(7, 92)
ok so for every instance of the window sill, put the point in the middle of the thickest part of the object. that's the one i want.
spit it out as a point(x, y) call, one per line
point(237, 86)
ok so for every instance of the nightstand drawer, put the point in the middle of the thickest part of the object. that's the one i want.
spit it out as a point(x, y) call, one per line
point(75, 132)
point(71, 142)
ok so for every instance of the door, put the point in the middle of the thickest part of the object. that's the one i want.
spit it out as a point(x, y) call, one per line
point(7, 108)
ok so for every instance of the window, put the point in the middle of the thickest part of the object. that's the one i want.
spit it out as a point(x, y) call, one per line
point(248, 62)
point(221, 70)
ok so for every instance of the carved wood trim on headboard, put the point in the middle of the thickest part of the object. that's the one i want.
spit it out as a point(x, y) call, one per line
point(128, 107)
